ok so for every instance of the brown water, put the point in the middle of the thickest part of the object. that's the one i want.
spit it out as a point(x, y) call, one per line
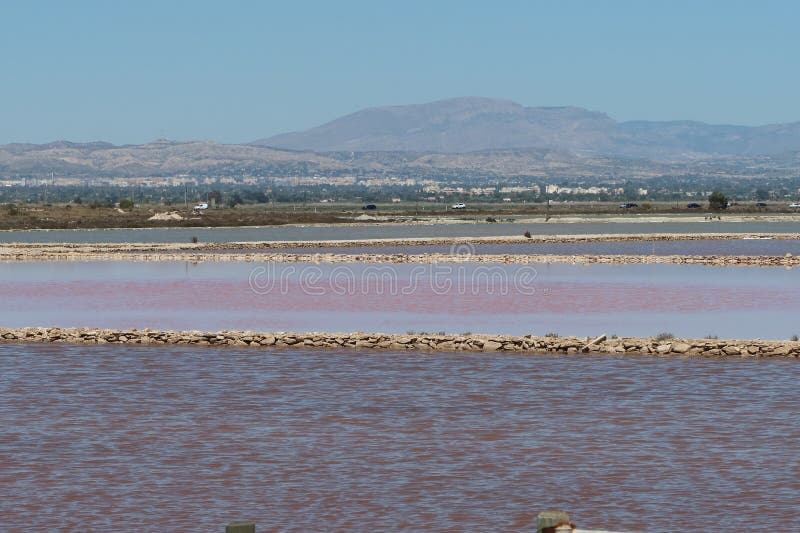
point(188, 439)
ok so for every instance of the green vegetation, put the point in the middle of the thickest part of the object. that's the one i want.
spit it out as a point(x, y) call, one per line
point(126, 203)
point(665, 336)
point(717, 201)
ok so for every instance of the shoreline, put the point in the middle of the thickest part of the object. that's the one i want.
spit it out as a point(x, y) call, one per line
point(434, 220)
point(473, 343)
point(206, 252)
point(788, 261)
point(408, 241)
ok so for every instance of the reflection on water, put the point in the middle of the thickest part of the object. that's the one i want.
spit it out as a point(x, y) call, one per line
point(686, 300)
point(188, 439)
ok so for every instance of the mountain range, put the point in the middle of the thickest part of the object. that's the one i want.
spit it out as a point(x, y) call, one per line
point(461, 136)
point(469, 124)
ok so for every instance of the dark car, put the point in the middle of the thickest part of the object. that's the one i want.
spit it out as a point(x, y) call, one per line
point(370, 207)
point(693, 205)
point(761, 204)
point(628, 205)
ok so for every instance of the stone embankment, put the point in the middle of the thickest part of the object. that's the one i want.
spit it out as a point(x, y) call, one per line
point(788, 260)
point(414, 341)
point(210, 252)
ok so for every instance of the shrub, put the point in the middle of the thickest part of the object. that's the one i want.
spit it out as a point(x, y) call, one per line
point(665, 336)
point(795, 338)
point(491, 219)
point(717, 201)
point(711, 337)
point(527, 234)
point(126, 203)
point(194, 240)
point(551, 334)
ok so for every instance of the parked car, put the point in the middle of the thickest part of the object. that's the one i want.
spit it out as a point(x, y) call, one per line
point(761, 204)
point(628, 205)
point(370, 207)
point(693, 205)
point(796, 204)
point(459, 206)
point(201, 207)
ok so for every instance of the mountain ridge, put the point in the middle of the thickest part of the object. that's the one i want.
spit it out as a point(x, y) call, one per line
point(469, 124)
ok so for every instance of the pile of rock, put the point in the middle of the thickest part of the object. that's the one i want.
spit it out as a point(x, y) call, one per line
point(422, 341)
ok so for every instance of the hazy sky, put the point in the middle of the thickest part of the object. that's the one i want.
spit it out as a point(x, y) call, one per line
point(132, 71)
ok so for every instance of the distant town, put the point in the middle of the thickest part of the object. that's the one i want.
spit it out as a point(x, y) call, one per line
point(232, 190)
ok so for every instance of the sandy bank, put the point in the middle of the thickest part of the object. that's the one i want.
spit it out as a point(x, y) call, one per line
point(411, 341)
point(408, 241)
point(430, 258)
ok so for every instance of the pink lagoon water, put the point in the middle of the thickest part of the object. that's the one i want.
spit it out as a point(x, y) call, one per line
point(584, 300)
point(187, 439)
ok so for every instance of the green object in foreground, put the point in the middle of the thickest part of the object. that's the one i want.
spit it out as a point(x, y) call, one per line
point(240, 527)
point(550, 519)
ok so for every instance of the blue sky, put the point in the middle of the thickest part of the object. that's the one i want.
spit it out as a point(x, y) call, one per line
point(234, 71)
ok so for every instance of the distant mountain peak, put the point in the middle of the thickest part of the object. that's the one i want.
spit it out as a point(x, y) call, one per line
point(475, 123)
point(462, 124)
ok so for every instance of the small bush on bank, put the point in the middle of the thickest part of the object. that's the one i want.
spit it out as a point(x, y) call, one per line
point(527, 234)
point(551, 334)
point(665, 336)
point(194, 240)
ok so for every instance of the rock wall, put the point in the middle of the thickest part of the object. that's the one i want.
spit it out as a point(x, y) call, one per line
point(788, 260)
point(412, 341)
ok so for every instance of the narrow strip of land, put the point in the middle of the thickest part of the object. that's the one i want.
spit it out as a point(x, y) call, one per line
point(416, 341)
point(411, 241)
point(461, 253)
point(44, 254)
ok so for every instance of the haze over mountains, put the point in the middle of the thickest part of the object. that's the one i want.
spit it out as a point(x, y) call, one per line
point(470, 124)
point(470, 136)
